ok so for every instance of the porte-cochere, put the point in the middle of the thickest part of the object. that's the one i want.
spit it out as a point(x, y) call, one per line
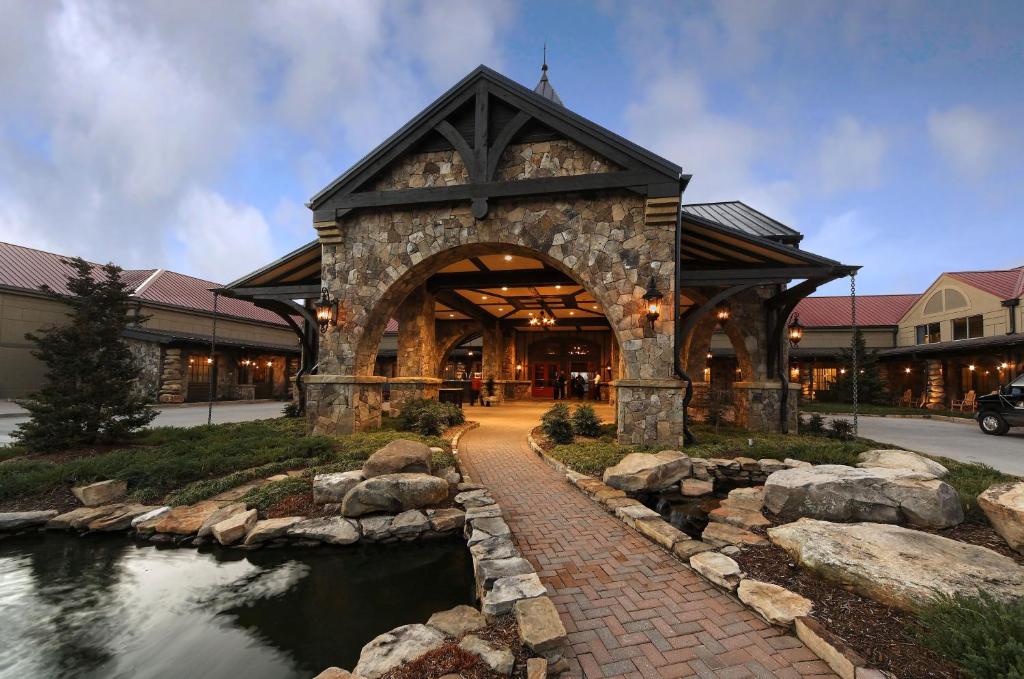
point(497, 212)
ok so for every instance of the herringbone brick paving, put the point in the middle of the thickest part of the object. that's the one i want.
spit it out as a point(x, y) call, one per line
point(631, 609)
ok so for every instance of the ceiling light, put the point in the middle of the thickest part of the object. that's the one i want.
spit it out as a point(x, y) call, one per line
point(451, 315)
point(558, 287)
point(572, 313)
point(504, 288)
point(508, 258)
point(501, 309)
point(483, 296)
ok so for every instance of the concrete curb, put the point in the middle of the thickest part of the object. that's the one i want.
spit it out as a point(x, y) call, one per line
point(827, 646)
point(894, 416)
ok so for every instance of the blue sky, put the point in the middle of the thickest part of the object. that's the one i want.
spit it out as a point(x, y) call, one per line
point(189, 135)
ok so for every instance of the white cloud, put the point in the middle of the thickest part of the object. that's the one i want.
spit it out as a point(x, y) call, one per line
point(851, 156)
point(969, 140)
point(219, 238)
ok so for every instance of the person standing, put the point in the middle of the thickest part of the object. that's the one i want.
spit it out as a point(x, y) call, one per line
point(597, 386)
point(474, 389)
point(560, 386)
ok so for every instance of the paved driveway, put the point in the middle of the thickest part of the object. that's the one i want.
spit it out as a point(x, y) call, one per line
point(959, 440)
point(180, 416)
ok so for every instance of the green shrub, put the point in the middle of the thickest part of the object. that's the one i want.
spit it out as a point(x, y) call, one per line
point(585, 421)
point(429, 418)
point(841, 429)
point(814, 426)
point(981, 634)
point(557, 424)
point(265, 497)
point(207, 488)
point(291, 410)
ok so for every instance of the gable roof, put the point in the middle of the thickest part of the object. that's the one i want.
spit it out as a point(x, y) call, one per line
point(1004, 284)
point(28, 269)
point(737, 215)
point(534, 104)
point(872, 310)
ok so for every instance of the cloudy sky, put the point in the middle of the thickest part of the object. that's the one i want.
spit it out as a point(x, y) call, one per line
point(189, 135)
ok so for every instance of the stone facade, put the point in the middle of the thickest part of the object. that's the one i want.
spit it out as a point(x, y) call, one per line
point(172, 383)
point(558, 158)
point(337, 404)
point(420, 170)
point(758, 406)
point(650, 410)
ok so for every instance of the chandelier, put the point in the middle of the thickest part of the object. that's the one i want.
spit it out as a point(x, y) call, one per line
point(544, 318)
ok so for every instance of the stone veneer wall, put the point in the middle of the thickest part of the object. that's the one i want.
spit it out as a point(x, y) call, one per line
point(420, 170)
point(558, 158)
point(172, 378)
point(649, 410)
point(338, 404)
point(758, 406)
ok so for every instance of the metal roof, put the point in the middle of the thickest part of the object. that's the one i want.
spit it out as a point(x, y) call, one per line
point(29, 269)
point(1004, 284)
point(741, 217)
point(872, 310)
point(978, 343)
point(171, 337)
point(544, 87)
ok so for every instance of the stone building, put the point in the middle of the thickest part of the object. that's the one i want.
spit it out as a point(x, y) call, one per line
point(256, 350)
point(498, 214)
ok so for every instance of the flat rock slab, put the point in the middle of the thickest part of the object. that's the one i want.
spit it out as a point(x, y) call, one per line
point(100, 493)
point(833, 492)
point(499, 659)
point(897, 566)
point(271, 529)
point(540, 627)
point(902, 460)
point(186, 520)
point(696, 487)
point(447, 520)
point(741, 518)
point(376, 528)
point(777, 605)
point(718, 568)
point(397, 647)
point(332, 488)
point(334, 530)
point(1003, 504)
point(494, 548)
point(489, 570)
point(630, 514)
point(722, 534)
point(394, 493)
point(648, 471)
point(225, 512)
point(750, 499)
point(661, 532)
point(410, 524)
point(400, 456)
point(459, 621)
point(235, 527)
point(684, 549)
point(79, 519)
point(20, 520)
point(507, 591)
point(120, 519)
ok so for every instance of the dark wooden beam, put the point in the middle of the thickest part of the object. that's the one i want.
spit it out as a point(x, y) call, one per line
point(564, 322)
point(772, 274)
point(284, 292)
point(485, 190)
point(495, 279)
point(501, 143)
point(448, 131)
point(481, 144)
point(462, 305)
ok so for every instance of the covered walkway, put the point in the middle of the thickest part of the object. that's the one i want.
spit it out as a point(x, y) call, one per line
point(631, 609)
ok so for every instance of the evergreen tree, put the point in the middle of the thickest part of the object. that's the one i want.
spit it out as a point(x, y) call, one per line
point(87, 397)
point(871, 388)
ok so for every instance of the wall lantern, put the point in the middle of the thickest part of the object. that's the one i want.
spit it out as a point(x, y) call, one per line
point(971, 368)
point(722, 313)
point(326, 310)
point(653, 297)
point(796, 331)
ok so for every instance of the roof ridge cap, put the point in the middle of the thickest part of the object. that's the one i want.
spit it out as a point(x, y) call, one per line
point(148, 282)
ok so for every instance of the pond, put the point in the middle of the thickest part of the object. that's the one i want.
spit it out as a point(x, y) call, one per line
point(104, 606)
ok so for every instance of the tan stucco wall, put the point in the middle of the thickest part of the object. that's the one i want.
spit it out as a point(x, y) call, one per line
point(822, 338)
point(180, 321)
point(996, 318)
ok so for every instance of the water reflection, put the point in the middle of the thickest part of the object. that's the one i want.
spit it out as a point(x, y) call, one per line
point(106, 607)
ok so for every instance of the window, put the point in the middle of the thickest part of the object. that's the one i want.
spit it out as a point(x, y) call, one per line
point(824, 378)
point(968, 327)
point(928, 333)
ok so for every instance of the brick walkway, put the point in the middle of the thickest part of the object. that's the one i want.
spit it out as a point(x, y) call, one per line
point(631, 610)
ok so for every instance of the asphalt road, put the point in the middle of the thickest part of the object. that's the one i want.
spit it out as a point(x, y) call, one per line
point(960, 441)
point(184, 416)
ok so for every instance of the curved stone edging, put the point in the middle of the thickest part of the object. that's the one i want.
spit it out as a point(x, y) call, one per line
point(826, 645)
point(469, 426)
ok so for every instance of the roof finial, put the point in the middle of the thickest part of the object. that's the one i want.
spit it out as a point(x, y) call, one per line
point(544, 66)
point(544, 88)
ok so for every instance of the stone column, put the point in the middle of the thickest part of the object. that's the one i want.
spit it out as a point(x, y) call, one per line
point(343, 404)
point(417, 350)
point(493, 360)
point(172, 382)
point(758, 405)
point(936, 385)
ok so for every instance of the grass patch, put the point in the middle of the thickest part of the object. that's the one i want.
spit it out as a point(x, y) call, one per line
point(191, 464)
point(267, 496)
point(12, 450)
point(869, 409)
point(982, 635)
point(970, 479)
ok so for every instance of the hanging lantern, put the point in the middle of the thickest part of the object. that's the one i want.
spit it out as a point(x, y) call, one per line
point(326, 310)
point(722, 313)
point(796, 330)
point(653, 297)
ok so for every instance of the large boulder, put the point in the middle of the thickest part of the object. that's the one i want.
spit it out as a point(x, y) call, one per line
point(332, 488)
point(401, 456)
point(397, 647)
point(1003, 504)
point(648, 471)
point(897, 566)
point(101, 492)
point(835, 492)
point(901, 459)
point(22, 520)
point(394, 493)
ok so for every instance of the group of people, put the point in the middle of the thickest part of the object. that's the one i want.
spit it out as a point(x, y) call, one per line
point(578, 386)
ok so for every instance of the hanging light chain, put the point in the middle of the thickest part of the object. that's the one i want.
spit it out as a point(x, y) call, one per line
point(853, 341)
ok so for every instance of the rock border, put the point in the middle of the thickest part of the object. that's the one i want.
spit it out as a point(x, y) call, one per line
point(701, 557)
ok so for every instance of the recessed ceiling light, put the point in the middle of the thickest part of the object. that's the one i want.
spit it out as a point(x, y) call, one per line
point(508, 258)
point(483, 296)
point(451, 315)
point(504, 288)
point(595, 306)
point(558, 287)
point(500, 309)
point(531, 313)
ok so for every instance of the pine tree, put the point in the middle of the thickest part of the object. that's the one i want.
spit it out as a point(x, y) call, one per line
point(87, 397)
point(871, 388)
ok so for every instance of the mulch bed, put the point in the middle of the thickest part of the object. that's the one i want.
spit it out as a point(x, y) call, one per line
point(300, 504)
point(451, 659)
point(882, 635)
point(60, 498)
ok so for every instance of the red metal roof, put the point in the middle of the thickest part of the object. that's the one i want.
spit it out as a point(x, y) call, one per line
point(834, 312)
point(28, 269)
point(1006, 284)
point(391, 328)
